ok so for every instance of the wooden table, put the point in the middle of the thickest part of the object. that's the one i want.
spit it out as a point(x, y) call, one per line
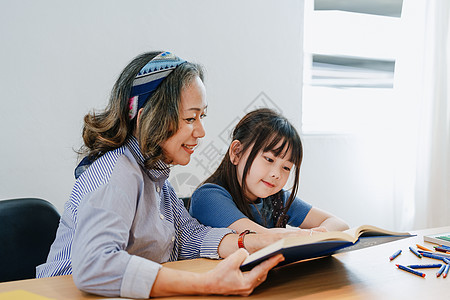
point(361, 274)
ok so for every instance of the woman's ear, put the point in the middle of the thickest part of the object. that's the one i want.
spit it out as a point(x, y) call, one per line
point(235, 152)
point(139, 116)
point(138, 120)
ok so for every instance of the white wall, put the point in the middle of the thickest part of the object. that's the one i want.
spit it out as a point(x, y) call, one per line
point(350, 176)
point(59, 59)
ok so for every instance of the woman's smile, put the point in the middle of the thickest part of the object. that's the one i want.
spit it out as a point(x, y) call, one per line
point(189, 148)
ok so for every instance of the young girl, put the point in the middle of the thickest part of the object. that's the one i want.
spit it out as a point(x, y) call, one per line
point(246, 191)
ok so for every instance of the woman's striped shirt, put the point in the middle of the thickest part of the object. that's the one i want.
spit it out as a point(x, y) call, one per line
point(120, 223)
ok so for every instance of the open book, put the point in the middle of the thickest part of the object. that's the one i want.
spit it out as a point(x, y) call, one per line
point(323, 243)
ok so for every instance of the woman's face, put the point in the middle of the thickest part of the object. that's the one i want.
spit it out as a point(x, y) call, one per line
point(179, 147)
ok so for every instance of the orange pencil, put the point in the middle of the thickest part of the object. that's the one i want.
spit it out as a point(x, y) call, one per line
point(423, 248)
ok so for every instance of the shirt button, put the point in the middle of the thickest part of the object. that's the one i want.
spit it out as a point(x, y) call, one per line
point(161, 216)
point(173, 238)
point(158, 189)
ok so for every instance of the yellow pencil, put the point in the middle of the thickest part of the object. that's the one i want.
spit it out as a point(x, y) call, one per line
point(423, 248)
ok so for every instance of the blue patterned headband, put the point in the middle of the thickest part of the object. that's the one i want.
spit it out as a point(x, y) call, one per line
point(149, 78)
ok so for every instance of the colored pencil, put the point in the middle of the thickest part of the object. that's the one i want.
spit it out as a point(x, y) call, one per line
point(426, 254)
point(446, 271)
point(428, 266)
point(443, 250)
point(415, 252)
point(441, 254)
point(444, 246)
point(422, 247)
point(440, 271)
point(411, 271)
point(393, 256)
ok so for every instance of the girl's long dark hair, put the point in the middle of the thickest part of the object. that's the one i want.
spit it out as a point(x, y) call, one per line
point(263, 130)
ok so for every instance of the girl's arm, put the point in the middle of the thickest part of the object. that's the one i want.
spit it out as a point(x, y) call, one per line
point(320, 220)
point(316, 219)
point(225, 279)
point(245, 223)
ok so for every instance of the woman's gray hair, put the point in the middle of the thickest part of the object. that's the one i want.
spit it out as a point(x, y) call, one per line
point(109, 129)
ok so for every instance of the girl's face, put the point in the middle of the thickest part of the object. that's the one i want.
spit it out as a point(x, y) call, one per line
point(179, 147)
point(267, 175)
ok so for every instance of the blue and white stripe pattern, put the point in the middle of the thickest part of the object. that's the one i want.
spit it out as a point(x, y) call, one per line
point(190, 240)
point(59, 259)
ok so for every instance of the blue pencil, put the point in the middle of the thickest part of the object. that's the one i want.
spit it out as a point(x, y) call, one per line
point(424, 266)
point(393, 256)
point(437, 255)
point(441, 254)
point(446, 260)
point(440, 271)
point(415, 252)
point(425, 254)
point(411, 271)
point(446, 271)
point(445, 247)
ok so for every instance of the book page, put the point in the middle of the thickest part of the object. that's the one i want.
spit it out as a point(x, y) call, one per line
point(318, 237)
point(370, 230)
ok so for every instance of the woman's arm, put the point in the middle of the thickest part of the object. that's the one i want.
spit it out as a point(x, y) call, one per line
point(255, 242)
point(318, 219)
point(225, 279)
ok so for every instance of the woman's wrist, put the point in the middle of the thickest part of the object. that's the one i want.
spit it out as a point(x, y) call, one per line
point(242, 236)
point(255, 242)
point(207, 284)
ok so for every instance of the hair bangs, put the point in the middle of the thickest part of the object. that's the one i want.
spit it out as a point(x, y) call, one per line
point(276, 144)
point(282, 141)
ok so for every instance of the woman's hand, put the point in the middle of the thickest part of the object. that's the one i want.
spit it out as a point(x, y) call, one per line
point(227, 279)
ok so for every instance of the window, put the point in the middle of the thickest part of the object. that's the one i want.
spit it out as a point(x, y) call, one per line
point(350, 54)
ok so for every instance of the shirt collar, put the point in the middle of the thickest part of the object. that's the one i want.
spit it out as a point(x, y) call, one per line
point(161, 171)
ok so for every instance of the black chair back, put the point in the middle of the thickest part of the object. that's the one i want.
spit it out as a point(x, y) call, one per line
point(27, 230)
point(186, 201)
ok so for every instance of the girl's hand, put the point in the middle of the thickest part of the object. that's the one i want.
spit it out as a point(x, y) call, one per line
point(227, 279)
point(319, 229)
point(311, 231)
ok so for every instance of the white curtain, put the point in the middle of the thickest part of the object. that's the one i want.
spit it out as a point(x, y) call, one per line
point(421, 147)
point(432, 188)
